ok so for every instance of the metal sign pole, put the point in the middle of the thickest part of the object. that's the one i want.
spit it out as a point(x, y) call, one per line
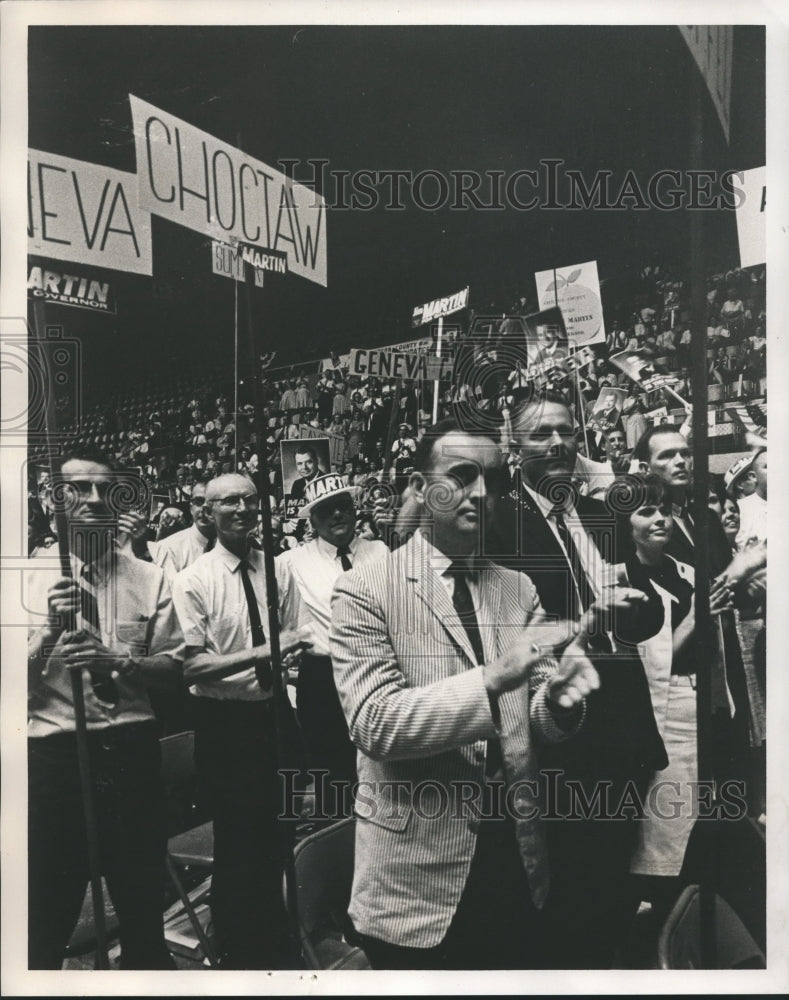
point(704, 638)
point(77, 692)
point(438, 355)
point(272, 599)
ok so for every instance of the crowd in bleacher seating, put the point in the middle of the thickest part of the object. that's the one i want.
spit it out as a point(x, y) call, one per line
point(190, 436)
point(186, 429)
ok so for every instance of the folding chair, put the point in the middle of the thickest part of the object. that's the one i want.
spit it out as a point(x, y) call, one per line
point(679, 945)
point(193, 845)
point(324, 873)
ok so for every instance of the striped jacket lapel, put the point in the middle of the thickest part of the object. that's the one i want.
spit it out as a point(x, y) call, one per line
point(430, 589)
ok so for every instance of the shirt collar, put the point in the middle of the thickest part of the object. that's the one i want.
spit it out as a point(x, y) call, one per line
point(441, 562)
point(230, 559)
point(102, 567)
point(329, 551)
point(198, 535)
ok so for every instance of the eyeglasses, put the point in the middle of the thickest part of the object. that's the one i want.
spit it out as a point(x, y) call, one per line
point(85, 486)
point(251, 501)
point(197, 501)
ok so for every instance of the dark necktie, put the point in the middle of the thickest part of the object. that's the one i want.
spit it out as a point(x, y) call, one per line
point(683, 519)
point(464, 606)
point(104, 687)
point(582, 595)
point(262, 670)
point(344, 553)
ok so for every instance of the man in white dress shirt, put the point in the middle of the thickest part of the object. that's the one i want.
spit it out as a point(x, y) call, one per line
point(126, 641)
point(180, 550)
point(315, 568)
point(221, 603)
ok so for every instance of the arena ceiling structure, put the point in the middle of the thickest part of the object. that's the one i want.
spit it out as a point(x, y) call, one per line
point(435, 103)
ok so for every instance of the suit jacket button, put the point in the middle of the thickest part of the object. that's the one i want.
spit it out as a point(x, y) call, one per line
point(473, 824)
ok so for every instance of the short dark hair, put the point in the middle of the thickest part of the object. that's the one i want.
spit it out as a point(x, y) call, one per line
point(89, 453)
point(525, 399)
point(643, 449)
point(624, 496)
point(307, 450)
point(423, 456)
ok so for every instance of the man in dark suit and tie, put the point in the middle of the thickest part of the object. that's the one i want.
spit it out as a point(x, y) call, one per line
point(566, 544)
point(439, 660)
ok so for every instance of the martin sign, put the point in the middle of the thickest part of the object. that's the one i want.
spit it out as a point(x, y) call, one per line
point(439, 307)
point(69, 289)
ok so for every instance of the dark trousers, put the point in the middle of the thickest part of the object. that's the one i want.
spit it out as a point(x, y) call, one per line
point(128, 801)
point(589, 907)
point(496, 925)
point(327, 744)
point(235, 754)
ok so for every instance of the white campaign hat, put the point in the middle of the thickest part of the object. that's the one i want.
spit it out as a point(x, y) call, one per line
point(325, 488)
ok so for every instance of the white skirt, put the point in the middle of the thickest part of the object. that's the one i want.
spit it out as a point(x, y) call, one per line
point(671, 804)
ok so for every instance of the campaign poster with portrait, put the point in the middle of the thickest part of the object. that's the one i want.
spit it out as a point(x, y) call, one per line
point(303, 459)
point(607, 411)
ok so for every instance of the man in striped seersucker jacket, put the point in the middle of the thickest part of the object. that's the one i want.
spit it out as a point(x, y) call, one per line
point(439, 665)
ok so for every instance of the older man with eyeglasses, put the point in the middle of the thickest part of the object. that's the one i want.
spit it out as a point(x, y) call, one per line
point(182, 548)
point(221, 603)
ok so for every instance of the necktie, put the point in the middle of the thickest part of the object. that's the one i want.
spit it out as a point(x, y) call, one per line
point(464, 606)
point(262, 670)
point(344, 553)
point(582, 594)
point(683, 519)
point(104, 687)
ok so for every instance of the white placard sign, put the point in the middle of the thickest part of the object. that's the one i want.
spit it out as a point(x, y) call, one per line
point(576, 291)
point(85, 213)
point(750, 217)
point(189, 177)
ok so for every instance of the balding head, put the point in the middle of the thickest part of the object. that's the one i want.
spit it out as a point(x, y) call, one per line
point(233, 504)
point(229, 484)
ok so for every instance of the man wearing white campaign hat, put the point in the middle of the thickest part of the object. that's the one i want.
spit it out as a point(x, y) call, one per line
point(753, 506)
point(739, 480)
point(315, 567)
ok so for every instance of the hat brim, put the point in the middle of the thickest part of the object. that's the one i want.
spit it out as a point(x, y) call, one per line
point(353, 491)
point(729, 480)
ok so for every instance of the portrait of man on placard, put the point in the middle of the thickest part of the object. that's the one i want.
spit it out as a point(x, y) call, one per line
point(607, 410)
point(303, 460)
